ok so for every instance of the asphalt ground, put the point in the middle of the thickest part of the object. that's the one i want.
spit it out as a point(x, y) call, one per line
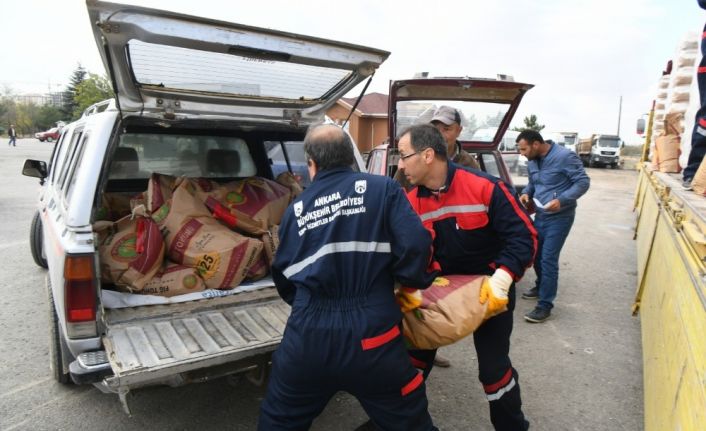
point(580, 370)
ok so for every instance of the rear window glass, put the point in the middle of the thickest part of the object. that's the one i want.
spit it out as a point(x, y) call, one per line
point(140, 154)
point(480, 120)
point(192, 69)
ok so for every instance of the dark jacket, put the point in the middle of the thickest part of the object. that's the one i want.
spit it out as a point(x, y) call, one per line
point(477, 223)
point(347, 238)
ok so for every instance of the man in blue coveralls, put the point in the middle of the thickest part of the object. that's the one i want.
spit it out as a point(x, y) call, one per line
point(556, 180)
point(343, 243)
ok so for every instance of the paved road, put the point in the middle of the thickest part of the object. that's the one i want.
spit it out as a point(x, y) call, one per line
point(581, 370)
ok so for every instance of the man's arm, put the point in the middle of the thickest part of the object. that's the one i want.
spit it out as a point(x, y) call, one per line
point(285, 288)
point(516, 230)
point(411, 243)
point(580, 182)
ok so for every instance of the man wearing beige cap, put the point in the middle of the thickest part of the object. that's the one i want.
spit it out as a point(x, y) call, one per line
point(448, 121)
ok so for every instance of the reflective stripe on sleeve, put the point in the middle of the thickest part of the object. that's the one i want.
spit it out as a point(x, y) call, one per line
point(455, 209)
point(338, 247)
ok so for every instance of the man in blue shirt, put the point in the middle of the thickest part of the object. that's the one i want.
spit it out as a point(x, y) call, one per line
point(556, 180)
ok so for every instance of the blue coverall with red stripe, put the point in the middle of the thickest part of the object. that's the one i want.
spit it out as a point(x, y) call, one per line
point(343, 243)
point(478, 225)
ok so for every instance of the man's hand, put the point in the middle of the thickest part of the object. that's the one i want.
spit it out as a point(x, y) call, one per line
point(408, 298)
point(553, 206)
point(524, 199)
point(494, 291)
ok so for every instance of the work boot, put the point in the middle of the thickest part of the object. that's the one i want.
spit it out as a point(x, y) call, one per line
point(538, 315)
point(440, 361)
point(532, 293)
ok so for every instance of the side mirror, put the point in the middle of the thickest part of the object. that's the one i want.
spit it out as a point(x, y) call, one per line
point(35, 169)
point(641, 126)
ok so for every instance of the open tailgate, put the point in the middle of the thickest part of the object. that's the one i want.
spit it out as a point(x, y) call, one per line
point(164, 342)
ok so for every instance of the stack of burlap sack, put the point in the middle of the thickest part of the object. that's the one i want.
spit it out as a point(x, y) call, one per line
point(184, 234)
point(450, 310)
point(671, 105)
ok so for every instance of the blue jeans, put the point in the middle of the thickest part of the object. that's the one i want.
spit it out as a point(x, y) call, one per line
point(552, 231)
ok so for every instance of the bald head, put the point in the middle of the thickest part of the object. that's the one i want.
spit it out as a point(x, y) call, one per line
point(329, 147)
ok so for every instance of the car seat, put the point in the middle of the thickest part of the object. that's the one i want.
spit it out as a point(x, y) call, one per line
point(223, 163)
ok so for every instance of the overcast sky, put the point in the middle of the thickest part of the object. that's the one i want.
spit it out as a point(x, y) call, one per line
point(580, 55)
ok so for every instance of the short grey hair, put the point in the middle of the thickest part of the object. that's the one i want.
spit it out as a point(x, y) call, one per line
point(423, 136)
point(329, 147)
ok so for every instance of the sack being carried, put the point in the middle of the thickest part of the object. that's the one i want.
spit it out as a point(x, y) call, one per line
point(195, 239)
point(450, 311)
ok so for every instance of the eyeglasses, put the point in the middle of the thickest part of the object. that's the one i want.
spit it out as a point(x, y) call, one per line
point(409, 155)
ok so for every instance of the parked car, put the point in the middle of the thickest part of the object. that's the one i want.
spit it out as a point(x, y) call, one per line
point(164, 120)
point(411, 100)
point(50, 135)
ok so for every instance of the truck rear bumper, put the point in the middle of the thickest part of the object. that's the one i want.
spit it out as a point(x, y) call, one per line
point(90, 367)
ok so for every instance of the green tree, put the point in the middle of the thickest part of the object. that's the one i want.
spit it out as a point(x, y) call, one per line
point(93, 89)
point(47, 117)
point(77, 77)
point(531, 124)
point(26, 117)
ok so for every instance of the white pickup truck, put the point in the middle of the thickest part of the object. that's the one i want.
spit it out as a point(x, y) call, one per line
point(187, 89)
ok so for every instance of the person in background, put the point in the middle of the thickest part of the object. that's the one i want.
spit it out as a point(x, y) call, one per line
point(698, 135)
point(344, 242)
point(556, 180)
point(448, 121)
point(12, 133)
point(478, 227)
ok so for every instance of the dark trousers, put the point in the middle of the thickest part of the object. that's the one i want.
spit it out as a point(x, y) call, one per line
point(698, 135)
point(322, 353)
point(500, 380)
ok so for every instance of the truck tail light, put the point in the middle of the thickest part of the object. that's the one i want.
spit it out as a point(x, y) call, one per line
point(80, 289)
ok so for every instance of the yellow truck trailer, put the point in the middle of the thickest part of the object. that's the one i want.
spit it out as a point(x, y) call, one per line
point(671, 299)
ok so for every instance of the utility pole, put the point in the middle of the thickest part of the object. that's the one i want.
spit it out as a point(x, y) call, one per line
point(620, 112)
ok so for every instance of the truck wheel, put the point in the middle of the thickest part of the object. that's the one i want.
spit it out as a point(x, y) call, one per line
point(58, 352)
point(35, 241)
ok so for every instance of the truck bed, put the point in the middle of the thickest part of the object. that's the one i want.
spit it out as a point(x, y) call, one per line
point(165, 343)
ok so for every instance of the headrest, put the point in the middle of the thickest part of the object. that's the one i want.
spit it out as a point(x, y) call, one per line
point(222, 162)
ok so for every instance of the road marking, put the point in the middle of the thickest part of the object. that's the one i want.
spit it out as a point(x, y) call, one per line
point(24, 387)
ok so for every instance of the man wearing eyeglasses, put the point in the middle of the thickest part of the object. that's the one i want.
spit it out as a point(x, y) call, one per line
point(448, 121)
point(478, 227)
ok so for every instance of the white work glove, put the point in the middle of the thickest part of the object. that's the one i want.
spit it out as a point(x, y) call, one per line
point(494, 291)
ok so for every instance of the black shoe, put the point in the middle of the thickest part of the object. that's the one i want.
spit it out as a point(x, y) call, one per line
point(532, 293)
point(686, 185)
point(538, 315)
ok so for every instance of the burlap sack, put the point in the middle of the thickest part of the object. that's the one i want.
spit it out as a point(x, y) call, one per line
point(674, 123)
point(131, 251)
point(194, 238)
point(259, 198)
point(288, 180)
point(698, 183)
point(159, 191)
point(173, 279)
point(114, 206)
point(668, 153)
point(235, 219)
point(450, 311)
